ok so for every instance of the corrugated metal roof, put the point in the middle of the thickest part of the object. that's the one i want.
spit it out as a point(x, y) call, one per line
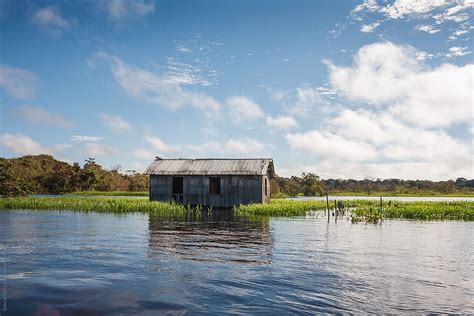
point(258, 166)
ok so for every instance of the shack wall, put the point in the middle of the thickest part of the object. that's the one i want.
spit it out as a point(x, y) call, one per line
point(235, 190)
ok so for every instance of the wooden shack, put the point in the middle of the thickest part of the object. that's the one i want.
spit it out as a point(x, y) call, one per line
point(211, 182)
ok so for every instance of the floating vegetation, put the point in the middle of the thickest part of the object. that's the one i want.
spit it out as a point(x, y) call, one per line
point(112, 193)
point(281, 208)
point(95, 204)
point(358, 210)
point(458, 210)
point(367, 211)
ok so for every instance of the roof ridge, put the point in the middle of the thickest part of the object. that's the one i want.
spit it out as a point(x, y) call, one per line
point(215, 159)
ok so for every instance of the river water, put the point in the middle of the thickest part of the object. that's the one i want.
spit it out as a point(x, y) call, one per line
point(66, 263)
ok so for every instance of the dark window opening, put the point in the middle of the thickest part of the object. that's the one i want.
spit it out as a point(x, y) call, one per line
point(177, 185)
point(266, 187)
point(214, 185)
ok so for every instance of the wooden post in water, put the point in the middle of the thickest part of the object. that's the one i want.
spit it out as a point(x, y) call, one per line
point(336, 213)
point(381, 208)
point(327, 205)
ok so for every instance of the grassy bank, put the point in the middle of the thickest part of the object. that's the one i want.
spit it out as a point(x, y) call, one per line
point(404, 194)
point(361, 210)
point(95, 204)
point(111, 193)
point(283, 195)
point(368, 211)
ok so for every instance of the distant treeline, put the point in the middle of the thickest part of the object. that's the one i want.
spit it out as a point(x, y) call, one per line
point(42, 174)
point(309, 184)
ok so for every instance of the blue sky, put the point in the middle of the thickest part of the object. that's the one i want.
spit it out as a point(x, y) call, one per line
point(345, 89)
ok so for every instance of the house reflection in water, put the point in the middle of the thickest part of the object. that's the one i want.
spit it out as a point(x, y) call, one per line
point(218, 238)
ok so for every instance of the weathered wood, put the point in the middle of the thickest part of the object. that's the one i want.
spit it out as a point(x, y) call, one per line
point(234, 190)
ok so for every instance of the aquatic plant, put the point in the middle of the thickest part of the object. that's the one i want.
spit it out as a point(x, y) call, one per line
point(95, 204)
point(367, 211)
point(111, 193)
point(453, 210)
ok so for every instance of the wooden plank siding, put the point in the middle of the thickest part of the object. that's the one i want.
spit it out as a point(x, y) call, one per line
point(234, 190)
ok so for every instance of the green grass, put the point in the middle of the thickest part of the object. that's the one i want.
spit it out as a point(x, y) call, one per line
point(368, 211)
point(361, 210)
point(459, 210)
point(111, 193)
point(94, 204)
point(406, 194)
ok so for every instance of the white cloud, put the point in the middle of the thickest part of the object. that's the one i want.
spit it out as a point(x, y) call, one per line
point(37, 115)
point(385, 170)
point(309, 100)
point(243, 110)
point(241, 147)
point(457, 52)
point(427, 28)
point(397, 141)
point(83, 139)
point(144, 154)
point(17, 82)
point(180, 73)
point(246, 147)
point(51, 20)
point(391, 76)
point(282, 122)
point(367, 5)
point(423, 56)
point(123, 9)
point(160, 145)
point(95, 150)
point(455, 13)
point(22, 144)
point(115, 122)
point(401, 8)
point(159, 90)
point(369, 28)
point(413, 152)
point(330, 145)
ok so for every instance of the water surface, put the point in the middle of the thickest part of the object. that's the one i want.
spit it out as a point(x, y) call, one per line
point(91, 263)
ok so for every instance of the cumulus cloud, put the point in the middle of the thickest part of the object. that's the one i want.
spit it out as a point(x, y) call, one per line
point(282, 122)
point(38, 115)
point(24, 145)
point(243, 110)
point(96, 150)
point(18, 83)
point(51, 20)
point(160, 145)
point(401, 8)
point(366, 5)
point(457, 51)
point(231, 148)
point(427, 28)
point(330, 145)
point(118, 10)
point(116, 123)
point(308, 100)
point(158, 89)
point(391, 76)
point(83, 139)
point(386, 170)
point(246, 147)
point(439, 11)
point(397, 141)
point(369, 28)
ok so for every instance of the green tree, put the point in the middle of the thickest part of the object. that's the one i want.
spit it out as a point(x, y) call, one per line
point(10, 183)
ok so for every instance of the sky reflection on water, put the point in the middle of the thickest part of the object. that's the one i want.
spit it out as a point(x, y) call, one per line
point(91, 263)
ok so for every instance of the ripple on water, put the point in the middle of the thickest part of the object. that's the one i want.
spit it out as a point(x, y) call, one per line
point(91, 263)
